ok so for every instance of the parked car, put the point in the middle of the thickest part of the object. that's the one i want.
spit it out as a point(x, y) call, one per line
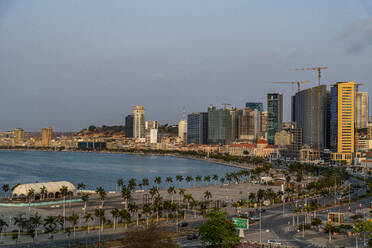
point(182, 224)
point(192, 236)
point(254, 218)
point(274, 242)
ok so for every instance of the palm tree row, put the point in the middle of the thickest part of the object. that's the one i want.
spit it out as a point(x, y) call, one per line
point(233, 177)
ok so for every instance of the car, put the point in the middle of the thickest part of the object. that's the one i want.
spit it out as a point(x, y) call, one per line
point(192, 236)
point(254, 218)
point(274, 242)
point(182, 224)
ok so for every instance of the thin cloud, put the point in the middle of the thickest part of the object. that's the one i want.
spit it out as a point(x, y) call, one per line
point(357, 37)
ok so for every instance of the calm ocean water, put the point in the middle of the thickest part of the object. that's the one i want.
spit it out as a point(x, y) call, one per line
point(98, 169)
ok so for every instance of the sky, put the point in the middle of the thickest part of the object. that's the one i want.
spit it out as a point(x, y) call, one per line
point(70, 64)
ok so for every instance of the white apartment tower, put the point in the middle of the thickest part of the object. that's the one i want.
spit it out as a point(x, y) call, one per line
point(182, 130)
point(362, 110)
point(139, 122)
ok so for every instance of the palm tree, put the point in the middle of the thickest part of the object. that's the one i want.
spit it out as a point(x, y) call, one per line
point(33, 223)
point(133, 208)
point(169, 180)
point(85, 198)
point(3, 226)
point(30, 196)
point(64, 191)
point(193, 205)
point(5, 188)
point(102, 194)
point(357, 230)
point(207, 179)
point(189, 179)
point(157, 205)
point(171, 191)
point(132, 184)
point(125, 216)
point(222, 180)
point(146, 209)
point(215, 179)
point(20, 222)
point(126, 194)
point(198, 178)
point(115, 214)
point(181, 192)
point(50, 224)
point(120, 183)
point(81, 186)
point(73, 219)
point(330, 228)
point(167, 205)
point(157, 181)
point(88, 216)
point(207, 195)
point(188, 198)
point(100, 214)
point(145, 182)
point(153, 191)
point(43, 192)
point(179, 178)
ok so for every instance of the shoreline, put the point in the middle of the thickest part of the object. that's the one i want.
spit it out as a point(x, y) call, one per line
point(140, 153)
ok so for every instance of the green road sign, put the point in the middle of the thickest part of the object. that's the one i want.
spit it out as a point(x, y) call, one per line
point(240, 223)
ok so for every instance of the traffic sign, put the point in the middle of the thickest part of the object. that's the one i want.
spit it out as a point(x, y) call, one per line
point(240, 223)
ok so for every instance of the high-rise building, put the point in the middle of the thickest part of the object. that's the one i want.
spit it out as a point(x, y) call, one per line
point(343, 121)
point(219, 125)
point(46, 136)
point(362, 110)
point(151, 125)
point(305, 114)
point(275, 115)
point(235, 113)
point(153, 136)
point(139, 122)
point(129, 125)
point(18, 136)
point(246, 125)
point(182, 130)
point(264, 121)
point(255, 105)
point(197, 128)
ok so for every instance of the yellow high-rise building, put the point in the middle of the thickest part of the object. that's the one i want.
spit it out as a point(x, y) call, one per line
point(18, 136)
point(343, 121)
point(46, 136)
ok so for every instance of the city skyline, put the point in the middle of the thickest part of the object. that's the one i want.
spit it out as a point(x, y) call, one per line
point(70, 69)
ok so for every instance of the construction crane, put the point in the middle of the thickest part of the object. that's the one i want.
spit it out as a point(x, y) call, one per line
point(319, 70)
point(294, 82)
point(356, 133)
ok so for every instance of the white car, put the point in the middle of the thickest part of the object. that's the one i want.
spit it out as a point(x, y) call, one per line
point(274, 242)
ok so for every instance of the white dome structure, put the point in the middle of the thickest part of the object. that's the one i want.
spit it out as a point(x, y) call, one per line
point(53, 189)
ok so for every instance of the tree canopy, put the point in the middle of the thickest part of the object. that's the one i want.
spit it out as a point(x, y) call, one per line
point(218, 231)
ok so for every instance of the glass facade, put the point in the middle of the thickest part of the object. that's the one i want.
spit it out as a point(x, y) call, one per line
point(334, 118)
point(305, 115)
point(275, 115)
point(129, 126)
point(197, 128)
point(254, 106)
point(219, 126)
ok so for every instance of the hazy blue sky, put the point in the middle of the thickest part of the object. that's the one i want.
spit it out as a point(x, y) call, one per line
point(69, 64)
